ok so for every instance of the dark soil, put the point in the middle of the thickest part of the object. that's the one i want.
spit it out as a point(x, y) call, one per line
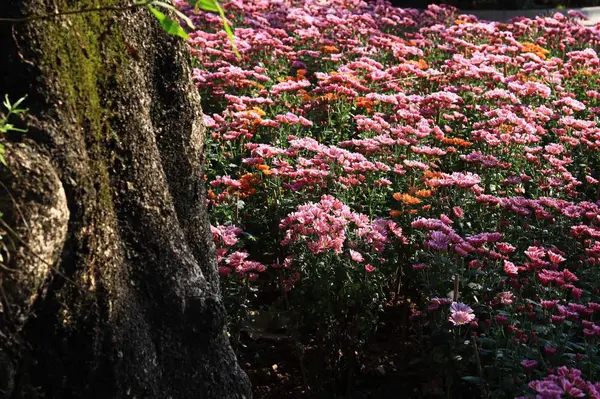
point(387, 368)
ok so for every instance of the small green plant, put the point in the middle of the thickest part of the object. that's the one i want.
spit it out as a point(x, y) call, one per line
point(11, 109)
point(5, 126)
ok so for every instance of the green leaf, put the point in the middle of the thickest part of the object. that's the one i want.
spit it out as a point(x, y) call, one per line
point(181, 15)
point(472, 379)
point(170, 26)
point(227, 29)
point(532, 302)
point(2, 160)
point(7, 102)
point(213, 6)
point(487, 341)
point(206, 5)
point(15, 107)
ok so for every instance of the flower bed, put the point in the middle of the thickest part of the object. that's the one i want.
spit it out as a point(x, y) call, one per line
point(361, 157)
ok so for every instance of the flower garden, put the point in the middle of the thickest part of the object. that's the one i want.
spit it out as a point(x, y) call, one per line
point(373, 170)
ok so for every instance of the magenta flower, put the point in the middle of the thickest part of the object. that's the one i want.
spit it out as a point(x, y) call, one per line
point(529, 364)
point(438, 241)
point(419, 266)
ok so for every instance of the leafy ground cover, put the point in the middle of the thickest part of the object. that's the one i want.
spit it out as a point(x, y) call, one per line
point(417, 186)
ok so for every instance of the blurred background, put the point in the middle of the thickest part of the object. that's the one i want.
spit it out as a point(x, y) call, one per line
point(499, 4)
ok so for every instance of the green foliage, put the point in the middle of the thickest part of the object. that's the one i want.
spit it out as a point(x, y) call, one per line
point(11, 109)
point(170, 26)
point(206, 5)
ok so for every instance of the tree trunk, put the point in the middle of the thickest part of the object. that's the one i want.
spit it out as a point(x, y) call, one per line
point(115, 292)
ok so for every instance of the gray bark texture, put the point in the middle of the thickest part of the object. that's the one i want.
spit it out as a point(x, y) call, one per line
point(113, 291)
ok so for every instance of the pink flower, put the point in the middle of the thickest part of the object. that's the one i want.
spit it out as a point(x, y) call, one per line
point(369, 268)
point(446, 220)
point(510, 268)
point(549, 304)
point(555, 258)
point(576, 292)
point(507, 297)
point(356, 256)
point(460, 314)
point(458, 212)
point(535, 253)
point(505, 247)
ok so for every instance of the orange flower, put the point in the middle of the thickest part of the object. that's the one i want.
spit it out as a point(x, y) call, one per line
point(282, 79)
point(265, 169)
point(395, 213)
point(424, 193)
point(535, 49)
point(430, 174)
point(211, 194)
point(259, 111)
point(365, 103)
point(248, 181)
point(426, 207)
point(456, 141)
point(304, 95)
point(330, 49)
point(506, 128)
point(301, 73)
point(328, 97)
point(406, 198)
point(422, 64)
point(252, 83)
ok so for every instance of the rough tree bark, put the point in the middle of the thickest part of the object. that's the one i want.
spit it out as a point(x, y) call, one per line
point(115, 293)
